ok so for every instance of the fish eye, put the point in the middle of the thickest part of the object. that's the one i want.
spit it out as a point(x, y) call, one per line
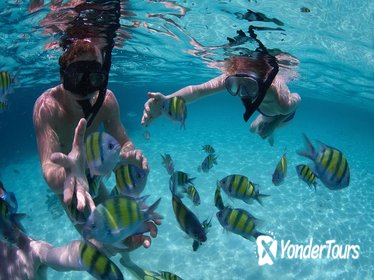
point(110, 146)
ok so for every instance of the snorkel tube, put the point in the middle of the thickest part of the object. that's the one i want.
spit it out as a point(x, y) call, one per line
point(261, 53)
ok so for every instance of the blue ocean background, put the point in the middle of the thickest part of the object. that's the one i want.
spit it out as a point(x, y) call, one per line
point(335, 46)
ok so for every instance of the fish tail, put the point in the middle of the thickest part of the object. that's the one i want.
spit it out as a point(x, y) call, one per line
point(277, 21)
point(259, 197)
point(309, 152)
point(190, 180)
point(315, 186)
point(151, 211)
point(258, 233)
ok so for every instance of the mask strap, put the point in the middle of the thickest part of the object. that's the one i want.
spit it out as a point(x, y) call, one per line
point(90, 111)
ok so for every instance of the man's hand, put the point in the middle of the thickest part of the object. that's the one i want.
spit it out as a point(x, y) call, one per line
point(74, 164)
point(134, 157)
point(152, 108)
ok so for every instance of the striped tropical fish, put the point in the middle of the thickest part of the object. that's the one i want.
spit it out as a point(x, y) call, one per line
point(193, 194)
point(187, 220)
point(167, 161)
point(102, 153)
point(77, 217)
point(169, 276)
point(240, 187)
point(330, 165)
point(175, 109)
point(208, 149)
point(206, 225)
point(218, 202)
point(307, 175)
point(97, 264)
point(280, 171)
point(238, 221)
point(6, 80)
point(178, 181)
point(207, 164)
point(119, 217)
point(94, 184)
point(130, 180)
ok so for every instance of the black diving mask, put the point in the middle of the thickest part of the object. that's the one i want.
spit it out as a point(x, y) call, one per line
point(84, 77)
point(244, 85)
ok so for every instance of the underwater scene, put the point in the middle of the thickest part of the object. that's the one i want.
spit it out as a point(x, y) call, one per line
point(259, 166)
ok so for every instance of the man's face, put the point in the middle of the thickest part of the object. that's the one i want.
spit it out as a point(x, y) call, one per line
point(84, 76)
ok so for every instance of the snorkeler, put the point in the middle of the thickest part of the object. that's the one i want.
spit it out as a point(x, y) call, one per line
point(251, 77)
point(23, 257)
point(61, 110)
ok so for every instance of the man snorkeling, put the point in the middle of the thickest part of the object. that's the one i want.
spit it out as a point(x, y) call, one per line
point(59, 117)
point(251, 77)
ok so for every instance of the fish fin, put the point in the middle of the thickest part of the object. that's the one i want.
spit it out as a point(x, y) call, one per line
point(309, 152)
point(190, 180)
point(277, 21)
point(315, 186)
point(152, 215)
point(259, 197)
point(271, 140)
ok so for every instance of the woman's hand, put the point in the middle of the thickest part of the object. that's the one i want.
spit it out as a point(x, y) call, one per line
point(152, 108)
point(75, 164)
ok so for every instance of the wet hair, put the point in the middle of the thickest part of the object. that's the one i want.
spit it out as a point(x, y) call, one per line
point(75, 50)
point(242, 64)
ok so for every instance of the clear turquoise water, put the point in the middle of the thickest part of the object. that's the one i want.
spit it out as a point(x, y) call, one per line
point(334, 44)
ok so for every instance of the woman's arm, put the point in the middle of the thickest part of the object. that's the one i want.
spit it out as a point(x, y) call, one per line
point(152, 108)
point(196, 92)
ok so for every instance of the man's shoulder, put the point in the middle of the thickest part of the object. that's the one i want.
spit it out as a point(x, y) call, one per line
point(47, 100)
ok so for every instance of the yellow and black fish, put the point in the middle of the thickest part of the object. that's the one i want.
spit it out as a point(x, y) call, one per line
point(178, 181)
point(175, 109)
point(102, 153)
point(193, 194)
point(130, 180)
point(187, 220)
point(240, 187)
point(307, 175)
point(119, 217)
point(97, 264)
point(218, 202)
point(280, 171)
point(169, 276)
point(207, 164)
point(167, 161)
point(208, 149)
point(6, 80)
point(330, 165)
point(238, 221)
